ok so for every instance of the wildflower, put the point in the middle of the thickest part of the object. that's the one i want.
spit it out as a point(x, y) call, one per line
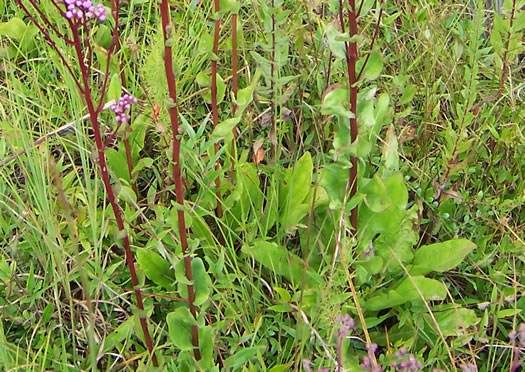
point(120, 109)
point(347, 324)
point(368, 361)
point(77, 9)
point(405, 362)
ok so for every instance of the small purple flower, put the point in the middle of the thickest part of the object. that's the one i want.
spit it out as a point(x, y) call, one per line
point(468, 368)
point(346, 323)
point(405, 362)
point(120, 109)
point(79, 8)
point(368, 361)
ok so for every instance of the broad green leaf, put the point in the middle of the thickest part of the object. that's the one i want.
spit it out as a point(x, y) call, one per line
point(281, 367)
point(377, 196)
point(118, 163)
point(454, 322)
point(223, 129)
point(412, 288)
point(180, 323)
point(335, 102)
point(206, 346)
point(441, 256)
point(119, 334)
point(373, 67)
point(408, 290)
point(390, 155)
point(381, 111)
point(278, 260)
point(333, 179)
point(281, 308)
point(407, 93)
point(334, 41)
point(243, 356)
point(400, 246)
point(201, 280)
point(390, 220)
point(156, 268)
point(284, 296)
point(294, 189)
point(14, 29)
point(114, 88)
point(143, 163)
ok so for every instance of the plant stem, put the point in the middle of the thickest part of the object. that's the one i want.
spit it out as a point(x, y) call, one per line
point(167, 29)
point(101, 158)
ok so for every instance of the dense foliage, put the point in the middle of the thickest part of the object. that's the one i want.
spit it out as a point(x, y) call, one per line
point(264, 185)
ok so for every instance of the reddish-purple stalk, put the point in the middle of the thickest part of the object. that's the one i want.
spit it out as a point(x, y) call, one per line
point(235, 85)
point(85, 90)
point(167, 29)
point(214, 108)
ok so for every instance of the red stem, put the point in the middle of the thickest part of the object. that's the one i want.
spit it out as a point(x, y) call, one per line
point(85, 91)
point(93, 115)
point(167, 29)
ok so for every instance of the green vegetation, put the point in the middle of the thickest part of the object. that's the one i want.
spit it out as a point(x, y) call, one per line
point(294, 193)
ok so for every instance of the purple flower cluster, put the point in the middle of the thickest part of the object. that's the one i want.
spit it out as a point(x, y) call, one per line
point(468, 368)
point(405, 362)
point(84, 8)
point(518, 342)
point(120, 109)
point(368, 361)
point(346, 323)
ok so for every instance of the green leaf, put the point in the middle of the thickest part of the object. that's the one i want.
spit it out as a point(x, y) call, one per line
point(180, 323)
point(114, 88)
point(441, 257)
point(390, 154)
point(203, 79)
point(119, 334)
point(14, 29)
point(294, 189)
point(243, 356)
point(407, 93)
point(225, 128)
point(377, 196)
point(335, 102)
point(118, 163)
point(281, 308)
point(206, 346)
point(333, 179)
point(277, 259)
point(408, 290)
point(281, 367)
point(454, 322)
point(373, 66)
point(335, 43)
point(221, 89)
point(201, 280)
point(143, 163)
point(156, 268)
point(284, 296)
